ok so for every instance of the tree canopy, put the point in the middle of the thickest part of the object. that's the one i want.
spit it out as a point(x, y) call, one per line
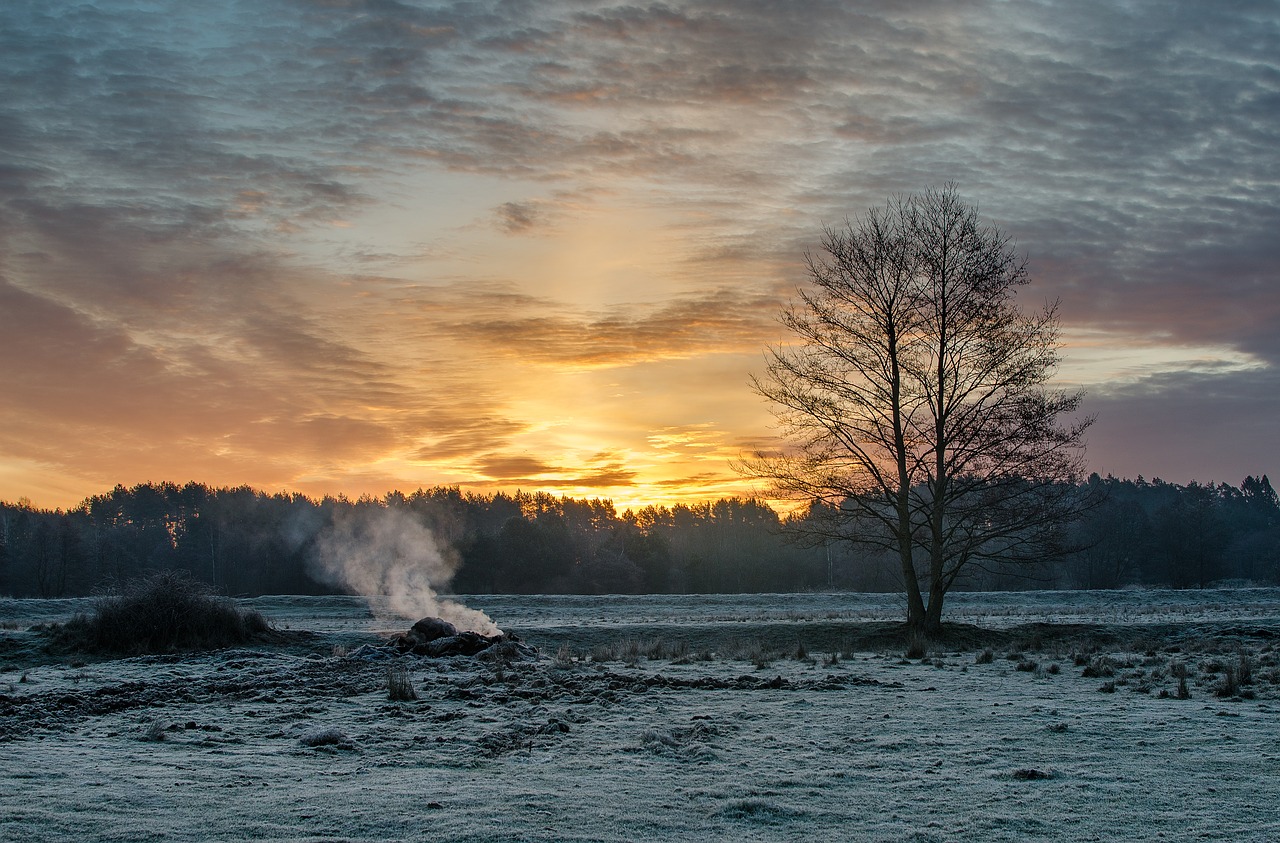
point(914, 398)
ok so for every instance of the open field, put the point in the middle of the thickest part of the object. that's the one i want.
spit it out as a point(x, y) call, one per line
point(1041, 716)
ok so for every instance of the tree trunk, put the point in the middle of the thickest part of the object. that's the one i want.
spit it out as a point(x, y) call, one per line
point(933, 615)
point(915, 601)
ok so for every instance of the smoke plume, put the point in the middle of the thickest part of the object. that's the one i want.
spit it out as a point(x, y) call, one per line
point(386, 553)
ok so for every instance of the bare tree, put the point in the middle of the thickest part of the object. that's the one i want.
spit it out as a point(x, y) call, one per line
point(914, 400)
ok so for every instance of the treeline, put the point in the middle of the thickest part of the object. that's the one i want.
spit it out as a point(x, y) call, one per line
point(1192, 536)
point(247, 542)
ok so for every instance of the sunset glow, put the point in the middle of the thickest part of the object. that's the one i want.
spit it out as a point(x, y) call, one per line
point(351, 247)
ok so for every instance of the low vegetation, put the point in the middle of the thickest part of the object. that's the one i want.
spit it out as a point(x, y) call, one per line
point(164, 612)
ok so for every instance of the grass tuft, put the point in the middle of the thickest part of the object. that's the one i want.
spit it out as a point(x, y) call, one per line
point(1229, 686)
point(326, 738)
point(400, 684)
point(153, 733)
point(1100, 667)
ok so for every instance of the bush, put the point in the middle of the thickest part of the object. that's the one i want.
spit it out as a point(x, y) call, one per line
point(160, 613)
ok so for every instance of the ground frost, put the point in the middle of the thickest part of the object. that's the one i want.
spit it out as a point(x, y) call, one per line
point(302, 745)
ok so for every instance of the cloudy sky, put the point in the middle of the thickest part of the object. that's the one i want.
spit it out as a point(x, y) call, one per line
point(343, 246)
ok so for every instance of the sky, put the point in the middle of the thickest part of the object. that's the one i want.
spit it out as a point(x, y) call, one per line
point(334, 246)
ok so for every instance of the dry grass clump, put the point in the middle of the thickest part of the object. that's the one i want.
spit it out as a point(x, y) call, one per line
point(157, 614)
point(565, 658)
point(1236, 677)
point(1100, 667)
point(400, 684)
point(1178, 670)
point(154, 732)
point(632, 650)
point(322, 738)
point(1031, 775)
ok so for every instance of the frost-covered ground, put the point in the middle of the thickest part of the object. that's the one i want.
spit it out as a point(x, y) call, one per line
point(670, 718)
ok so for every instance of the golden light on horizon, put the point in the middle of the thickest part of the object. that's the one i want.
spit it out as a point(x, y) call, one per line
point(417, 253)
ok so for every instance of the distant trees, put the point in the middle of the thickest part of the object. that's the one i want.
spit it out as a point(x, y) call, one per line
point(247, 542)
point(1192, 536)
point(914, 398)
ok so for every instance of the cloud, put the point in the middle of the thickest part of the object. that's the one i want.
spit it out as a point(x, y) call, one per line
point(510, 471)
point(506, 321)
point(517, 217)
point(1187, 426)
point(192, 195)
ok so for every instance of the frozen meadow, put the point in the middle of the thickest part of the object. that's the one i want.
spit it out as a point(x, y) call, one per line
point(1045, 716)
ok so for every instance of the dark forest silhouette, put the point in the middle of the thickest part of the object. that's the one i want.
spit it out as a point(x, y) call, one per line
point(248, 542)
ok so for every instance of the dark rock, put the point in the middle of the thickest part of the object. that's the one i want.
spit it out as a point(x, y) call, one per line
point(429, 629)
point(462, 644)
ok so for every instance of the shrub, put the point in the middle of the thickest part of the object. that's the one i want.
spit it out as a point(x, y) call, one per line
point(985, 657)
point(163, 612)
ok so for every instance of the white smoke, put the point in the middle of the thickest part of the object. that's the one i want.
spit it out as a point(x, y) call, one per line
point(386, 553)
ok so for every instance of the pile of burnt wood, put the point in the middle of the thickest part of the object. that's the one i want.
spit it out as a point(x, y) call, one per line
point(437, 637)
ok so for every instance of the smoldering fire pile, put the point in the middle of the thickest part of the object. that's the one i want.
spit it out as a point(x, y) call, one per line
point(397, 563)
point(437, 638)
